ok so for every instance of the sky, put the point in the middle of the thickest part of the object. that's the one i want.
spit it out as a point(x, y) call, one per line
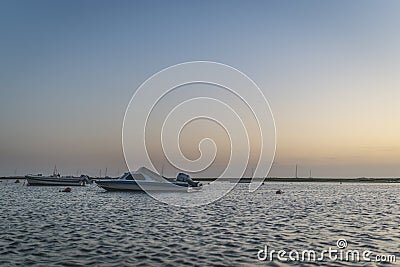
point(329, 69)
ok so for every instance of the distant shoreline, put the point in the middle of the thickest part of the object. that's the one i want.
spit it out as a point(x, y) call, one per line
point(312, 180)
point(273, 179)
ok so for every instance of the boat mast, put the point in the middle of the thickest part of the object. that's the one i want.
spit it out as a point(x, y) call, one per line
point(296, 172)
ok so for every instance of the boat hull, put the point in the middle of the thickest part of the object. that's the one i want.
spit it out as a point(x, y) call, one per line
point(50, 181)
point(117, 185)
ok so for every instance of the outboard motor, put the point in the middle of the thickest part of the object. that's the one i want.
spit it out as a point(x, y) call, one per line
point(183, 177)
point(86, 179)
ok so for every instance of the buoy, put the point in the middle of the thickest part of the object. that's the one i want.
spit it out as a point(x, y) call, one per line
point(279, 192)
point(17, 181)
point(67, 190)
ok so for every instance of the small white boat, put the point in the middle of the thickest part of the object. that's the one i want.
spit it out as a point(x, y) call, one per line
point(57, 180)
point(146, 180)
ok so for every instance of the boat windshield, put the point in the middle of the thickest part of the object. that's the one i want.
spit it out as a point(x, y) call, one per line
point(132, 176)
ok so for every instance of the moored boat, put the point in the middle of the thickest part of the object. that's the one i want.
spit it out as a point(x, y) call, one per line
point(57, 180)
point(145, 180)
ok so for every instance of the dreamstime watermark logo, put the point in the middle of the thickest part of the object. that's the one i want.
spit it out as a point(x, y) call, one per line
point(341, 243)
point(199, 118)
point(338, 253)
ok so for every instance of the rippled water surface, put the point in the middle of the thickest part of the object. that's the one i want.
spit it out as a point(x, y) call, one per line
point(43, 227)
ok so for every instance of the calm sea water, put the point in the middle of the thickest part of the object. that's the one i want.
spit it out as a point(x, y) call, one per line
point(42, 227)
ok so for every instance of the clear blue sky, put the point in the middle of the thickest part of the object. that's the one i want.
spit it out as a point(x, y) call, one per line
point(330, 70)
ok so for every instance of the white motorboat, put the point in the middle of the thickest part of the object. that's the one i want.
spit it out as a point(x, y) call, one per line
point(145, 180)
point(57, 180)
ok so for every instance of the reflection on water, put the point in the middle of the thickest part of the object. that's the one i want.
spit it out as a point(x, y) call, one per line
point(40, 226)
